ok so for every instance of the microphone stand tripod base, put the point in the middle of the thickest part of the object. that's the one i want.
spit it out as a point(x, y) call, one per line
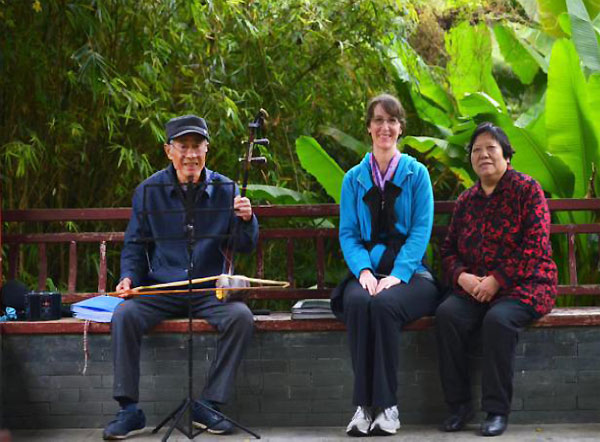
point(187, 405)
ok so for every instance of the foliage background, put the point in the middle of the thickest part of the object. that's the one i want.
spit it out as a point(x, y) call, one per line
point(86, 86)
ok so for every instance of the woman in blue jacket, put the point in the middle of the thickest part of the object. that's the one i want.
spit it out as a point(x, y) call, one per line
point(386, 215)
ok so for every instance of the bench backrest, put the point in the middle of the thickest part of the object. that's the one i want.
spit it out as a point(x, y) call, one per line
point(321, 240)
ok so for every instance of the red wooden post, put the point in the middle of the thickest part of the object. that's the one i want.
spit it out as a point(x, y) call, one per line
point(43, 266)
point(260, 260)
point(572, 260)
point(320, 262)
point(290, 261)
point(13, 260)
point(72, 267)
point(102, 268)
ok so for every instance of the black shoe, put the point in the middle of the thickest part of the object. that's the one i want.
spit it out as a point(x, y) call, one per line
point(494, 424)
point(457, 420)
point(127, 423)
point(207, 419)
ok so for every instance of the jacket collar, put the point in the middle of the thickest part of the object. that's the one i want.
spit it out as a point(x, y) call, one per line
point(366, 180)
point(504, 183)
point(206, 176)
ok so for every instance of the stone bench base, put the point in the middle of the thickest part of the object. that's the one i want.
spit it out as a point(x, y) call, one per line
point(288, 378)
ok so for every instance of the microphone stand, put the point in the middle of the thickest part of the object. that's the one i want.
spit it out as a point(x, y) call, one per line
point(188, 403)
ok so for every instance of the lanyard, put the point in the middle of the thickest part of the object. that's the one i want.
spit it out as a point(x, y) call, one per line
point(389, 172)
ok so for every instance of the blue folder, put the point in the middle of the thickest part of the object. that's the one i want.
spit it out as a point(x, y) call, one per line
point(97, 309)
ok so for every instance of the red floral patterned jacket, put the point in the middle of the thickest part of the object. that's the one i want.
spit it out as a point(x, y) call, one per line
point(505, 234)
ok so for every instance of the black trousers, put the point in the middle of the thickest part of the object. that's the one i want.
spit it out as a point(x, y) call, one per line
point(457, 319)
point(374, 324)
point(134, 317)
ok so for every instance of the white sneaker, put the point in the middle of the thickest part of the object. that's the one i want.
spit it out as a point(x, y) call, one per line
point(387, 422)
point(360, 423)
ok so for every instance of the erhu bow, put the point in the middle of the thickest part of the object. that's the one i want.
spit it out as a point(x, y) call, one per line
point(163, 288)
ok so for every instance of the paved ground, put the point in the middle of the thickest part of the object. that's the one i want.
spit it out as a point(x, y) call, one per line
point(410, 433)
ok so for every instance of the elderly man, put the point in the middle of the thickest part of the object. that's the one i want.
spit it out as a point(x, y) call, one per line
point(156, 251)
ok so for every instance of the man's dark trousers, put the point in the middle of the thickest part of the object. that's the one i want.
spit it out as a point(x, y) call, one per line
point(134, 317)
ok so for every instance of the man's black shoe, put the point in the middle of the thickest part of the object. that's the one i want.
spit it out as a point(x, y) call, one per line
point(457, 420)
point(206, 418)
point(494, 424)
point(127, 423)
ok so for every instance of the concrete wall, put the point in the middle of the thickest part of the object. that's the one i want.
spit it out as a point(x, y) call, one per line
point(287, 378)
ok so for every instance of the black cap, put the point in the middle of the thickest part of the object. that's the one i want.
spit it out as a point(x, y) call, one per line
point(186, 124)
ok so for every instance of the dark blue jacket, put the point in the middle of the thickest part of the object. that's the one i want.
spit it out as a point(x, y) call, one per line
point(155, 249)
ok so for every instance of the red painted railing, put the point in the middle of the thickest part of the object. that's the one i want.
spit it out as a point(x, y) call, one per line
point(289, 235)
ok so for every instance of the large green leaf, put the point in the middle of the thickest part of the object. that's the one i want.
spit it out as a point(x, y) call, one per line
point(346, 140)
point(320, 165)
point(564, 21)
point(430, 99)
point(530, 8)
point(430, 112)
point(593, 88)
point(536, 42)
point(572, 134)
point(478, 103)
point(515, 54)
point(593, 93)
point(430, 88)
point(462, 133)
point(430, 146)
point(470, 65)
point(422, 144)
point(420, 74)
point(532, 158)
point(550, 11)
point(584, 35)
point(275, 194)
point(438, 149)
point(532, 115)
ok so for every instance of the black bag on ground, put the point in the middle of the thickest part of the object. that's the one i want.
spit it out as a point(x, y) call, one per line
point(12, 295)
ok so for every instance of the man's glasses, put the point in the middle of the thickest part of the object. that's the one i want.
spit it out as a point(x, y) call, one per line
point(192, 147)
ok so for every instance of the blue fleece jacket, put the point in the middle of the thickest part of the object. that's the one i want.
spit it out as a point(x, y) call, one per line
point(155, 248)
point(414, 209)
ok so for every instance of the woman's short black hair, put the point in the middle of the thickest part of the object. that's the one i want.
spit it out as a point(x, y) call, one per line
point(391, 105)
point(498, 134)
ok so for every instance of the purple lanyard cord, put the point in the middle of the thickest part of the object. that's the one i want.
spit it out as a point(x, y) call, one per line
point(389, 172)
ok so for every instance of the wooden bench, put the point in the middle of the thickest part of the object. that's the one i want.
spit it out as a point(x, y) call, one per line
point(320, 238)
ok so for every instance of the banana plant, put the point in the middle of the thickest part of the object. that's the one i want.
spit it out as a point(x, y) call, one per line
point(556, 139)
point(316, 161)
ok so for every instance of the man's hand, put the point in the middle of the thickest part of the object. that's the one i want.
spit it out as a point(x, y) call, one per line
point(386, 283)
point(242, 208)
point(486, 289)
point(368, 281)
point(124, 288)
point(469, 282)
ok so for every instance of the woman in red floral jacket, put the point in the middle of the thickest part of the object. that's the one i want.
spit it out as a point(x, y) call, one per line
point(498, 259)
